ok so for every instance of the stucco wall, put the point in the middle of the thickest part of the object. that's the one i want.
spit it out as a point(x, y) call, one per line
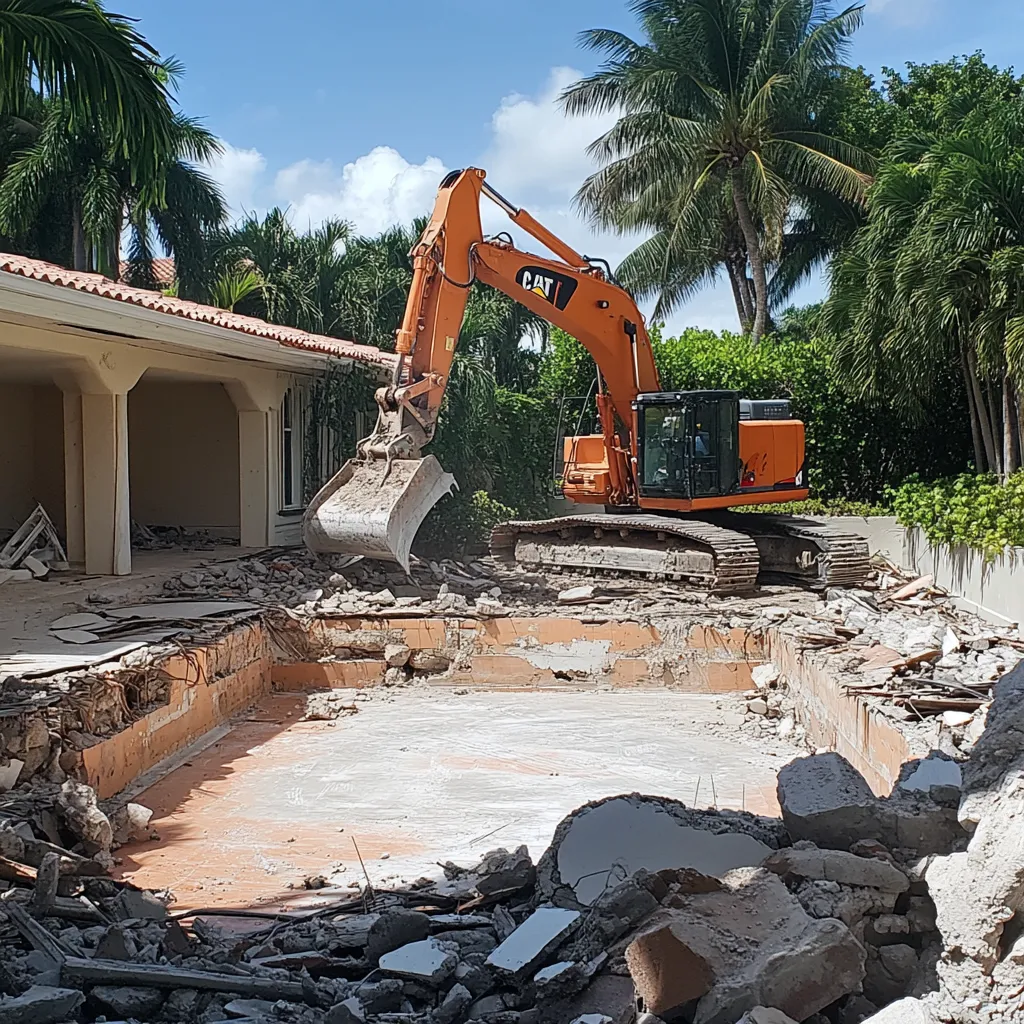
point(31, 453)
point(183, 455)
point(993, 589)
point(48, 451)
point(15, 454)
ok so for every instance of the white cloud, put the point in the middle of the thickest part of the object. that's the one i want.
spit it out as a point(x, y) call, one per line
point(536, 148)
point(239, 172)
point(904, 12)
point(373, 192)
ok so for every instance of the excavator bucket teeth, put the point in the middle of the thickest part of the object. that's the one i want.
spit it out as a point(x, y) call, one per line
point(374, 508)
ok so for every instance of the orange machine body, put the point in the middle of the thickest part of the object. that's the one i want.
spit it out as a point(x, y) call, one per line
point(771, 459)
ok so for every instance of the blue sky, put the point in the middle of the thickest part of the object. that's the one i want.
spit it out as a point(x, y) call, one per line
point(356, 108)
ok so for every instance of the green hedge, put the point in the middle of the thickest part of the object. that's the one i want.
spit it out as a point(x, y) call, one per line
point(977, 511)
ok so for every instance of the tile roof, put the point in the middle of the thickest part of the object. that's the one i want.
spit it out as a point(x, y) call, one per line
point(97, 284)
point(163, 269)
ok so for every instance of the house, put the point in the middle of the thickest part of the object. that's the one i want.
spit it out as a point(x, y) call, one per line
point(120, 404)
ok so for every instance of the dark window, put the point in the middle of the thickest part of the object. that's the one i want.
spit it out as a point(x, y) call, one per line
point(287, 458)
point(705, 449)
point(665, 449)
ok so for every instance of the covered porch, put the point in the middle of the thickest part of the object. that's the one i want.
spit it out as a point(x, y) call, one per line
point(113, 413)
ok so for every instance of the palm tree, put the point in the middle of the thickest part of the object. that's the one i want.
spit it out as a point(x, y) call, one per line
point(95, 63)
point(722, 95)
point(83, 171)
point(936, 279)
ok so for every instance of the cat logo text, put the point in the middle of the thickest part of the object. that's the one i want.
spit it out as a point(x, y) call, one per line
point(555, 288)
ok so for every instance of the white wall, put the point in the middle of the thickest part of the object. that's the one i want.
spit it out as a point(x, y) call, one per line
point(992, 589)
point(31, 453)
point(183, 455)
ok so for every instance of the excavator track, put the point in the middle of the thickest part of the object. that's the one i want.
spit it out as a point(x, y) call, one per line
point(803, 550)
point(726, 553)
point(708, 556)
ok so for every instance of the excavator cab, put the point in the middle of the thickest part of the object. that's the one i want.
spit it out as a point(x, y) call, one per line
point(687, 444)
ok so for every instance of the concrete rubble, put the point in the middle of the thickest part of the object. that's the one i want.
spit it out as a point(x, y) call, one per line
point(835, 914)
point(853, 907)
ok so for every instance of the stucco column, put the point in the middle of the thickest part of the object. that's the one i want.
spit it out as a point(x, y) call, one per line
point(96, 484)
point(254, 478)
point(107, 519)
point(74, 479)
point(255, 396)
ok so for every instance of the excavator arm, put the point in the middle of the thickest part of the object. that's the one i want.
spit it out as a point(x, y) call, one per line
point(375, 504)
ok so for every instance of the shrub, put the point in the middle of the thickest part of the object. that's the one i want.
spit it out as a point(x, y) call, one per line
point(977, 511)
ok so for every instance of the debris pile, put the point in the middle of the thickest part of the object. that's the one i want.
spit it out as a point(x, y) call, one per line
point(33, 550)
point(912, 649)
point(849, 907)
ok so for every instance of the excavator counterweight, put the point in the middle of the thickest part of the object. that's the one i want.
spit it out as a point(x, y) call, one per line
point(664, 470)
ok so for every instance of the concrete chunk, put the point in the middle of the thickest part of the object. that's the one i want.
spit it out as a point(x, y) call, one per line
point(541, 932)
point(837, 866)
point(453, 1004)
point(348, 1011)
point(905, 1011)
point(427, 960)
point(395, 928)
point(761, 948)
point(665, 971)
point(41, 1004)
point(128, 1001)
point(825, 800)
point(765, 1015)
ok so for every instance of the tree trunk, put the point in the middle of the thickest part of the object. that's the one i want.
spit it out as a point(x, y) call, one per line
point(972, 411)
point(737, 278)
point(983, 420)
point(754, 254)
point(1010, 460)
point(78, 253)
point(995, 413)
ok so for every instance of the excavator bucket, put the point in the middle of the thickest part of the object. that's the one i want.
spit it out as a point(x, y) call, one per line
point(373, 507)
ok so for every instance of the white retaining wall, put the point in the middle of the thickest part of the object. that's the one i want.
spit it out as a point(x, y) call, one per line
point(992, 589)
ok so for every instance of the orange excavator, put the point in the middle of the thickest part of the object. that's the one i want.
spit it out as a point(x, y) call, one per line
point(663, 472)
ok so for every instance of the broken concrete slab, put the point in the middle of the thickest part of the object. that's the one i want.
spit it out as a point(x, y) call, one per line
point(166, 611)
point(393, 929)
point(826, 801)
point(611, 839)
point(543, 931)
point(128, 1001)
point(40, 1004)
point(838, 866)
point(667, 973)
point(904, 1011)
point(429, 961)
point(762, 948)
point(79, 620)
